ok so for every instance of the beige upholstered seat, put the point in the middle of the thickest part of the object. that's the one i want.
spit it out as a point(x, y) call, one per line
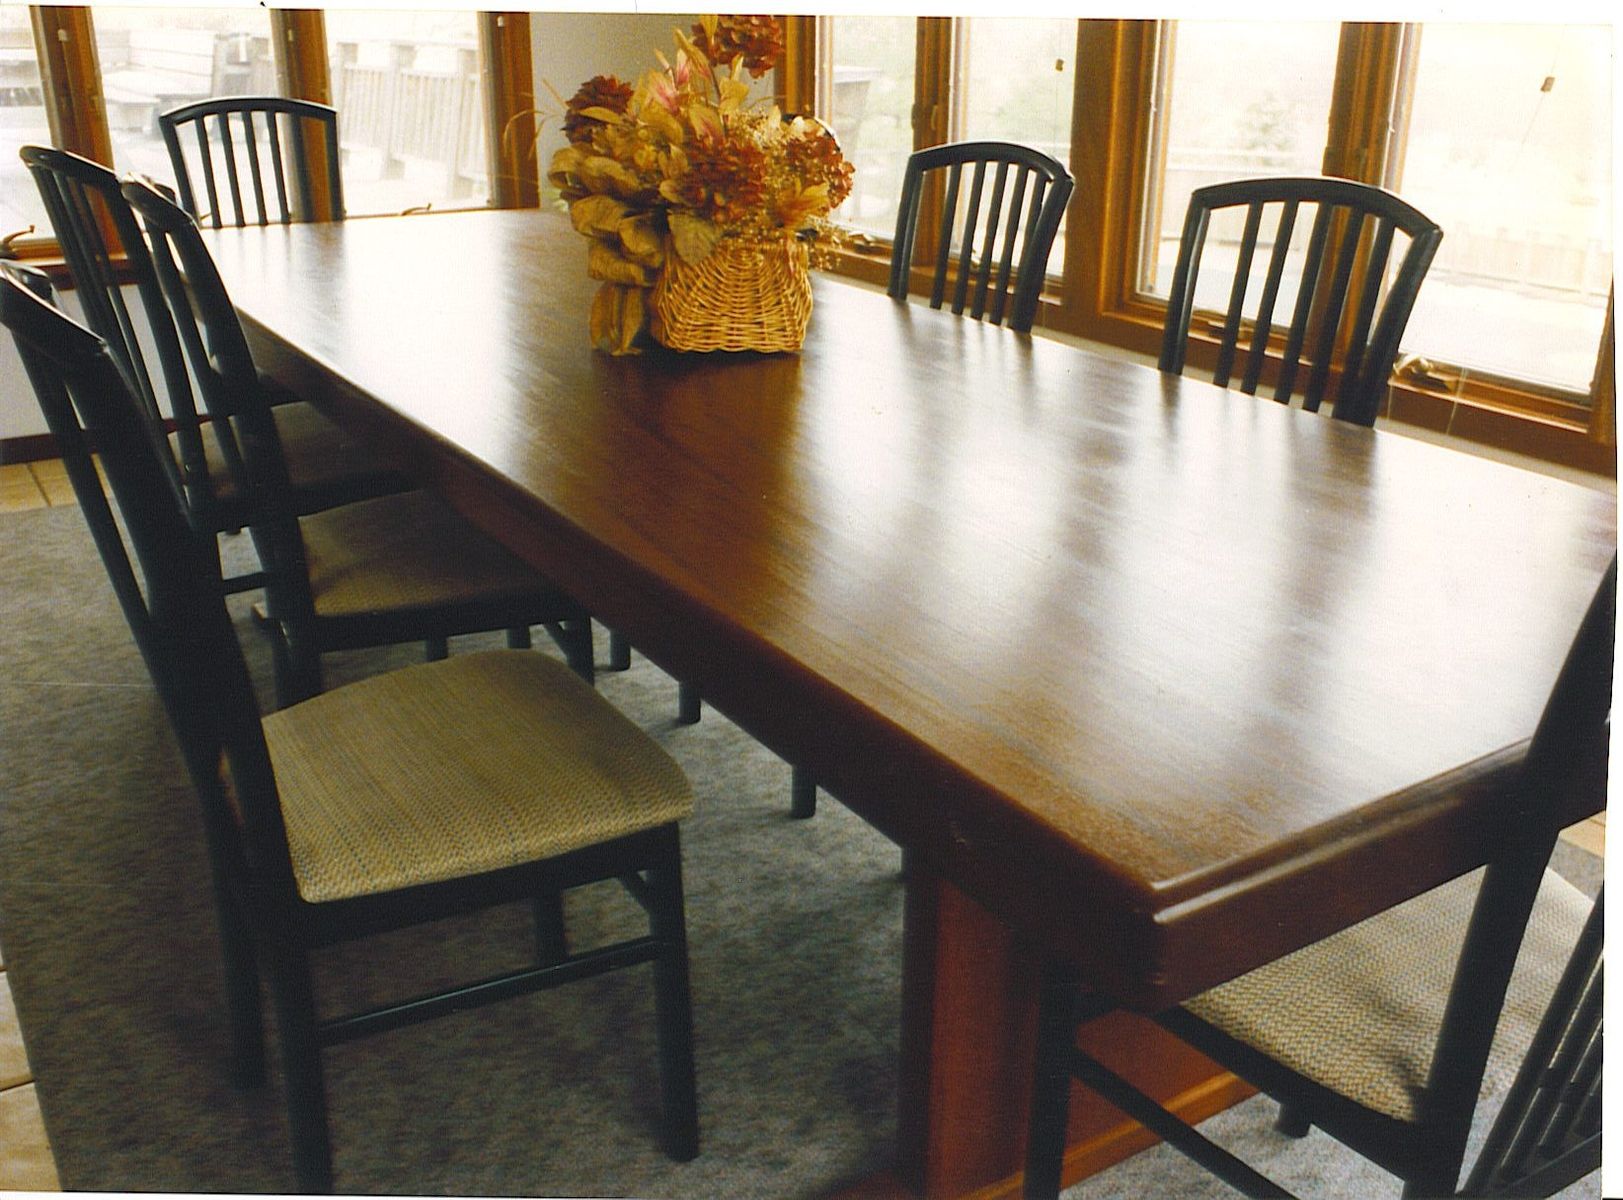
point(402, 552)
point(1359, 1012)
point(451, 769)
point(325, 466)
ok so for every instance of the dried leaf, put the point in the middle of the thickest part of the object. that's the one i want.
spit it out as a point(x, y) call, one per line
point(693, 236)
point(633, 312)
point(597, 215)
point(641, 240)
point(605, 262)
point(601, 173)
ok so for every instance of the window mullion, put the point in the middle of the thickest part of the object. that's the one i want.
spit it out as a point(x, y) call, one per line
point(70, 78)
point(509, 112)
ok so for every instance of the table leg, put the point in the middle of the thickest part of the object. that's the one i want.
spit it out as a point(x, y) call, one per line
point(969, 994)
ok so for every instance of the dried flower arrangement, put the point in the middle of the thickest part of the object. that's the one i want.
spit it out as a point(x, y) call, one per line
point(682, 168)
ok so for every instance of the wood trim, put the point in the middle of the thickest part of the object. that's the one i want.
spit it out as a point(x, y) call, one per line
point(31, 447)
point(300, 39)
point(70, 78)
point(510, 112)
point(1360, 139)
point(795, 86)
point(301, 54)
point(1115, 71)
point(1603, 387)
point(932, 83)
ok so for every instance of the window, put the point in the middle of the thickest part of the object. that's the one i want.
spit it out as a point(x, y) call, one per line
point(866, 97)
point(410, 125)
point(1509, 150)
point(22, 120)
point(155, 59)
point(1239, 100)
point(1015, 83)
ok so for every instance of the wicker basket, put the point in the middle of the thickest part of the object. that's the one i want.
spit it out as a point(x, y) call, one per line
point(743, 296)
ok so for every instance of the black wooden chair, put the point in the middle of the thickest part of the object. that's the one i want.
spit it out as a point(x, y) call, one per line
point(1002, 232)
point(244, 148)
point(1347, 315)
point(102, 246)
point(396, 568)
point(442, 788)
point(1381, 1035)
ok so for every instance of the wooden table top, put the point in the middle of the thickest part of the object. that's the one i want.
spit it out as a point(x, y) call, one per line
point(1174, 678)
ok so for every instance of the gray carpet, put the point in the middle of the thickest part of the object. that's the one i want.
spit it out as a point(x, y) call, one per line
point(112, 956)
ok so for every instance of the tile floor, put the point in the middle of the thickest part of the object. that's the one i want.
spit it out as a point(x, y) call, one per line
point(25, 1153)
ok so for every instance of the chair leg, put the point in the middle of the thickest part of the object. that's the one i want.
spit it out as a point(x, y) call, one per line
point(551, 936)
point(436, 649)
point(301, 1064)
point(802, 794)
point(674, 1009)
point(242, 994)
point(578, 649)
point(619, 652)
point(1051, 1085)
point(519, 638)
point(688, 704)
point(1292, 1121)
point(295, 667)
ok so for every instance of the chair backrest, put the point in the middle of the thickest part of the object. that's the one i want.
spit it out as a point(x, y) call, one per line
point(256, 143)
point(1563, 778)
point(187, 291)
point(1002, 234)
point(89, 216)
point(1334, 314)
point(1547, 1133)
point(165, 575)
point(85, 203)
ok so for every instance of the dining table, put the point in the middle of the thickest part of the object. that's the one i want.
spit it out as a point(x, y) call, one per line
point(1162, 678)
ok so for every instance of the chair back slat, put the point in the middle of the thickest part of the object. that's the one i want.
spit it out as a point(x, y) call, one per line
point(943, 254)
point(1350, 307)
point(966, 249)
point(1264, 325)
point(250, 139)
point(991, 247)
point(1350, 234)
point(1380, 255)
point(228, 153)
point(1242, 280)
point(269, 134)
point(1318, 244)
point(1005, 266)
point(989, 243)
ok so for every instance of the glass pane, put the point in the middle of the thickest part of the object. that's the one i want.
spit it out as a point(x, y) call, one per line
point(1017, 84)
point(1510, 151)
point(22, 120)
point(153, 59)
point(1243, 99)
point(410, 112)
point(869, 105)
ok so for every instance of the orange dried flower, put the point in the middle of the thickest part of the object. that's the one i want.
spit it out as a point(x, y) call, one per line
point(816, 158)
point(725, 180)
point(600, 91)
point(758, 39)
